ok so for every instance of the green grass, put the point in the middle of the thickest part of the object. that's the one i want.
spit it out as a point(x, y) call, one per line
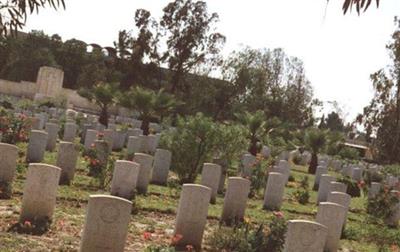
point(156, 213)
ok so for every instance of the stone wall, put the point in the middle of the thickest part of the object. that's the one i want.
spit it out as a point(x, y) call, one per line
point(49, 84)
point(20, 89)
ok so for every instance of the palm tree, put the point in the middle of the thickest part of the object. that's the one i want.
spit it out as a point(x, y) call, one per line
point(255, 125)
point(360, 5)
point(103, 94)
point(14, 13)
point(148, 104)
point(315, 140)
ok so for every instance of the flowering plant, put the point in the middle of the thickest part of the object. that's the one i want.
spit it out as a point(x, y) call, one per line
point(383, 204)
point(35, 226)
point(93, 163)
point(13, 128)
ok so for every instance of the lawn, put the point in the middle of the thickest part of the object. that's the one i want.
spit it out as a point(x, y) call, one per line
point(153, 213)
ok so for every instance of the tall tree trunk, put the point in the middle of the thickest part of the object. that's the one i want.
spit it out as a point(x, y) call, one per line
point(395, 147)
point(313, 164)
point(145, 125)
point(103, 119)
point(253, 146)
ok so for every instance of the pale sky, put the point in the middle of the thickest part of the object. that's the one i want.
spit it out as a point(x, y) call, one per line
point(339, 52)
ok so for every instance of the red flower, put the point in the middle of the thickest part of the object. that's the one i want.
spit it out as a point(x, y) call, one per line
point(147, 235)
point(278, 214)
point(27, 223)
point(189, 248)
point(361, 184)
point(176, 239)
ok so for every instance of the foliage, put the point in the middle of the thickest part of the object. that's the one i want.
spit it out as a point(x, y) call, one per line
point(348, 153)
point(304, 183)
point(14, 13)
point(334, 140)
point(36, 226)
point(93, 163)
point(393, 169)
point(190, 39)
point(302, 196)
point(160, 249)
point(232, 239)
point(103, 94)
point(386, 239)
point(382, 206)
point(245, 237)
point(192, 143)
point(229, 145)
point(276, 236)
point(270, 81)
point(258, 176)
point(353, 189)
point(334, 122)
point(102, 172)
point(148, 103)
point(382, 117)
point(315, 140)
point(14, 129)
point(254, 124)
point(358, 4)
point(50, 102)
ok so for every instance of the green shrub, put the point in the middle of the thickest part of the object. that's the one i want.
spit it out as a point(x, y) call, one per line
point(392, 170)
point(302, 196)
point(230, 143)
point(351, 233)
point(258, 177)
point(14, 129)
point(232, 239)
point(304, 183)
point(159, 249)
point(386, 239)
point(245, 237)
point(192, 143)
point(353, 188)
point(349, 153)
point(383, 204)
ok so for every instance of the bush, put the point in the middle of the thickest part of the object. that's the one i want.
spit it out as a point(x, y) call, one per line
point(386, 239)
point(392, 170)
point(245, 237)
point(353, 188)
point(304, 183)
point(192, 143)
point(34, 227)
point(349, 153)
point(382, 205)
point(258, 177)
point(232, 239)
point(302, 196)
point(14, 129)
point(160, 249)
point(229, 145)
